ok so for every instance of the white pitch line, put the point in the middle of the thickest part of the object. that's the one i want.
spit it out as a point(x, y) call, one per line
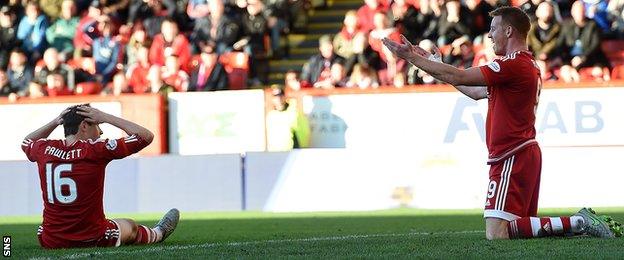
point(272, 241)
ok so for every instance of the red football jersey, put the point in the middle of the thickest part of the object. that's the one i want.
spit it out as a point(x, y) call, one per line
point(513, 86)
point(72, 182)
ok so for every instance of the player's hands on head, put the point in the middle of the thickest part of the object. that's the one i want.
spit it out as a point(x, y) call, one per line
point(59, 119)
point(91, 114)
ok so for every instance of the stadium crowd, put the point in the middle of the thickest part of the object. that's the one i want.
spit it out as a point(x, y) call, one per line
point(109, 47)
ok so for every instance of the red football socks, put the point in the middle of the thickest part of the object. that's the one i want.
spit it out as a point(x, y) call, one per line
point(530, 227)
point(147, 235)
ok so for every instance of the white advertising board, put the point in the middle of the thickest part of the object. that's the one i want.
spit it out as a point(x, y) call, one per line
point(22, 119)
point(355, 180)
point(216, 122)
point(565, 117)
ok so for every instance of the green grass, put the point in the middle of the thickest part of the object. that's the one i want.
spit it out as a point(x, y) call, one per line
point(380, 234)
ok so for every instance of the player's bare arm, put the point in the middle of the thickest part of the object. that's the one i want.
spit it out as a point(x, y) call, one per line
point(46, 130)
point(470, 81)
point(95, 116)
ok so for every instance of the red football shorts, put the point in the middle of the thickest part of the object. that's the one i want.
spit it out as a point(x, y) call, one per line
point(110, 238)
point(513, 190)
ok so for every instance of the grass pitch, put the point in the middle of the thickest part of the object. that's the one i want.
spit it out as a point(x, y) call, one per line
point(380, 234)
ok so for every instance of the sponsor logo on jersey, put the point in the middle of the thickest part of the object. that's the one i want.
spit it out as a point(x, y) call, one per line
point(111, 144)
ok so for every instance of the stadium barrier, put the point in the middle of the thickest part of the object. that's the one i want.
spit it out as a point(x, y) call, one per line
point(146, 184)
point(401, 147)
point(325, 180)
point(26, 115)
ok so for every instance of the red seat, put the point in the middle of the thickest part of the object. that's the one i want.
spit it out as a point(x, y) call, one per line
point(88, 88)
point(618, 72)
point(591, 74)
point(614, 49)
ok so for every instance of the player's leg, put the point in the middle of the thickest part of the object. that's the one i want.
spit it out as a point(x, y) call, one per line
point(164, 228)
point(496, 228)
point(512, 193)
point(127, 230)
point(519, 193)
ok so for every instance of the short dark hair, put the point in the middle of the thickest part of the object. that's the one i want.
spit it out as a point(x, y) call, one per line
point(515, 17)
point(72, 120)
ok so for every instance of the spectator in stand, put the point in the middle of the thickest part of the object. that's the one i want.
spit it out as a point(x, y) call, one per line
point(581, 38)
point(461, 53)
point(287, 126)
point(209, 75)
point(318, 67)
point(6, 89)
point(55, 86)
point(199, 13)
point(8, 34)
point(137, 40)
point(219, 29)
point(158, 13)
point(399, 80)
point(151, 12)
point(106, 51)
point(52, 65)
point(115, 9)
point(173, 76)
point(424, 24)
point(479, 10)
point(616, 17)
point(530, 8)
point(344, 40)
point(17, 6)
point(597, 11)
point(255, 28)
point(291, 82)
point(454, 23)
point(366, 13)
point(51, 8)
point(389, 65)
point(363, 54)
point(278, 20)
point(170, 42)
point(87, 31)
point(337, 79)
point(545, 40)
point(362, 78)
point(118, 86)
point(138, 71)
point(417, 76)
point(31, 31)
point(156, 84)
point(404, 17)
point(60, 35)
point(19, 73)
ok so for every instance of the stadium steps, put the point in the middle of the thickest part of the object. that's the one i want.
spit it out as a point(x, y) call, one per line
point(302, 46)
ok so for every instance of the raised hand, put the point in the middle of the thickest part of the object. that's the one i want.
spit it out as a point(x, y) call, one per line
point(407, 50)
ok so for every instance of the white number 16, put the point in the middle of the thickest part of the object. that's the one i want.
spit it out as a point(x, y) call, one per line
point(58, 181)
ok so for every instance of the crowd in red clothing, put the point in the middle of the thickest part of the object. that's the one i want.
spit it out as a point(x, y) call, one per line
point(65, 47)
point(567, 38)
